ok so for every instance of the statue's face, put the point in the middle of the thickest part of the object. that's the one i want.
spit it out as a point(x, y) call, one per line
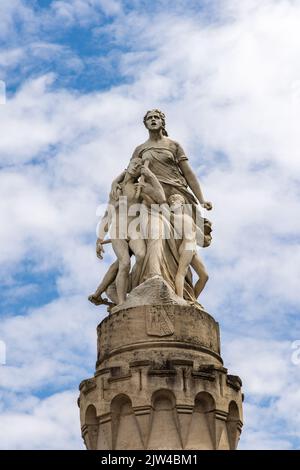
point(134, 167)
point(153, 121)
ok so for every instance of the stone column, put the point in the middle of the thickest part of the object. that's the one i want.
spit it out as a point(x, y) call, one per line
point(160, 382)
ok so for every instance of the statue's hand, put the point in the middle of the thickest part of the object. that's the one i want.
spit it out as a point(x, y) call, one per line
point(207, 205)
point(139, 186)
point(145, 171)
point(115, 191)
point(99, 248)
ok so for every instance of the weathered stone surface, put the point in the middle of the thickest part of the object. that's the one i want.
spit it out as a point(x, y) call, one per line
point(170, 407)
point(146, 331)
point(160, 384)
point(154, 291)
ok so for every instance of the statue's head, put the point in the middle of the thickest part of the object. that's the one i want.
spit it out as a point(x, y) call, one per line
point(176, 200)
point(134, 167)
point(155, 120)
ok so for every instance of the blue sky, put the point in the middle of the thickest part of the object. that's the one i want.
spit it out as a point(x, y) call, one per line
point(79, 77)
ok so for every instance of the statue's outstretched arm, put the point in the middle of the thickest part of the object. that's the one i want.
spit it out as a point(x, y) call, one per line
point(102, 230)
point(104, 225)
point(115, 188)
point(193, 183)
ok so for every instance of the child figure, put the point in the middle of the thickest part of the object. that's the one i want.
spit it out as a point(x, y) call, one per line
point(189, 232)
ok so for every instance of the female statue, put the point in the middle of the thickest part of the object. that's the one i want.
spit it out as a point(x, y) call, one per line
point(166, 159)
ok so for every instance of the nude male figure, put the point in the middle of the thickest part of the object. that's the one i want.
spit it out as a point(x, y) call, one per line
point(151, 193)
point(188, 247)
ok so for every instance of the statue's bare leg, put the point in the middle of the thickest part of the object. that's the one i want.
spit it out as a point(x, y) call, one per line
point(108, 279)
point(121, 248)
point(185, 259)
point(201, 271)
point(138, 248)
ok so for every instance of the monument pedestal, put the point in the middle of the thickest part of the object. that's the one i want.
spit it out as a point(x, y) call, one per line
point(160, 381)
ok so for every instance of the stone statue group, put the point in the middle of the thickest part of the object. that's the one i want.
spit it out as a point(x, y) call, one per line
point(153, 217)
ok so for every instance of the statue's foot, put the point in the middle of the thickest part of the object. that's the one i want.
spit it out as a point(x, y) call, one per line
point(98, 300)
point(92, 298)
point(196, 304)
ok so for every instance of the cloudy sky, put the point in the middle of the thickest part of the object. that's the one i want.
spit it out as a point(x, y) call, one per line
point(79, 75)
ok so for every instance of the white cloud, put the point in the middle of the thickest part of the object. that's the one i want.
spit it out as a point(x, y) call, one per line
point(261, 430)
point(267, 371)
point(54, 345)
point(84, 11)
point(270, 383)
point(52, 423)
point(13, 12)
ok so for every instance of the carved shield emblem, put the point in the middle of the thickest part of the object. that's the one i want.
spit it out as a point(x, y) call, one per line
point(159, 322)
